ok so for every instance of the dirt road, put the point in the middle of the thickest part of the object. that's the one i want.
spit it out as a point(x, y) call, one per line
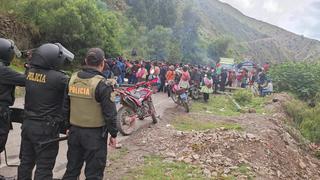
point(161, 103)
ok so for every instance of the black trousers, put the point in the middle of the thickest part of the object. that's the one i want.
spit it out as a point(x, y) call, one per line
point(4, 127)
point(205, 97)
point(31, 154)
point(86, 145)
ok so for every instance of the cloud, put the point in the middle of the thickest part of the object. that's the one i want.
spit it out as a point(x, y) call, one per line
point(241, 4)
point(272, 6)
point(300, 17)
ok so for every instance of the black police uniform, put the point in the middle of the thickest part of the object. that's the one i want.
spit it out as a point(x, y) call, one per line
point(45, 92)
point(89, 145)
point(8, 80)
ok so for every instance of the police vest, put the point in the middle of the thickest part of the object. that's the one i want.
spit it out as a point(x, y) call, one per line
point(85, 111)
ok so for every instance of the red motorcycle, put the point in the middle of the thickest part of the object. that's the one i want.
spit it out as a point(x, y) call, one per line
point(136, 103)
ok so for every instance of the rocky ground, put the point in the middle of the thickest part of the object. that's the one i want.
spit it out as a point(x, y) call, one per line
point(265, 148)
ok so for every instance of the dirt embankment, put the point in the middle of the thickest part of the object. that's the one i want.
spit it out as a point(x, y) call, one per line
point(22, 34)
point(265, 148)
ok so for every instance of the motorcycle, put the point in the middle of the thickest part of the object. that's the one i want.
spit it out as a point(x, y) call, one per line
point(136, 104)
point(194, 91)
point(180, 96)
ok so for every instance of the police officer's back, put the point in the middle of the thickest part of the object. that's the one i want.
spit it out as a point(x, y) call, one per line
point(8, 80)
point(92, 116)
point(45, 90)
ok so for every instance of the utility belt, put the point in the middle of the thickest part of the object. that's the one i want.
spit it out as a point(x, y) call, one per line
point(4, 109)
point(103, 129)
point(56, 123)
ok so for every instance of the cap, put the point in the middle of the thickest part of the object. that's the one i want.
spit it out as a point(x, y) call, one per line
point(95, 56)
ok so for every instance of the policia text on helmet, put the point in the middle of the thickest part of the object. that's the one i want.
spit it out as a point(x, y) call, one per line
point(9, 79)
point(46, 89)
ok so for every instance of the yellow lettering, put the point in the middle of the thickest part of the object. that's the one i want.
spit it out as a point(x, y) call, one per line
point(36, 77)
point(79, 90)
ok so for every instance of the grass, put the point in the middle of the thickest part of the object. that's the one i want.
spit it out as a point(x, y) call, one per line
point(187, 123)
point(243, 169)
point(118, 154)
point(221, 105)
point(258, 104)
point(218, 105)
point(156, 168)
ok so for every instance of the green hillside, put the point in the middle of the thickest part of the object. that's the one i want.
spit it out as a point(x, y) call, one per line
point(253, 39)
point(196, 31)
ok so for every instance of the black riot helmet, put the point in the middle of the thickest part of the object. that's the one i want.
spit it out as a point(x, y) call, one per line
point(7, 51)
point(51, 56)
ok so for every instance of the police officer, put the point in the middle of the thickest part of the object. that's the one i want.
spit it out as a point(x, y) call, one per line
point(8, 80)
point(46, 87)
point(92, 116)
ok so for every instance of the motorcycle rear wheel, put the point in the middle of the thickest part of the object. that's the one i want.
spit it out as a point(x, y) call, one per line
point(124, 125)
point(195, 93)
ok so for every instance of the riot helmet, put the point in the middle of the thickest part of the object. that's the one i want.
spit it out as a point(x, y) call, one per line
point(7, 51)
point(51, 56)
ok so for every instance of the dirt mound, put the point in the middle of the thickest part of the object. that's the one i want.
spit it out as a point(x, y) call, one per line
point(22, 34)
point(264, 149)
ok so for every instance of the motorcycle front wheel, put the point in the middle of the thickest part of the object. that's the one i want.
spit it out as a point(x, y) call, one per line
point(174, 97)
point(186, 106)
point(126, 120)
point(153, 112)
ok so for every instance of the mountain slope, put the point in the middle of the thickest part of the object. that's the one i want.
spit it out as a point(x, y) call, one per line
point(254, 39)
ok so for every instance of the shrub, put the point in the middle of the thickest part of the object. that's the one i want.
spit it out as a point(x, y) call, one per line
point(243, 96)
point(306, 119)
point(300, 78)
point(77, 24)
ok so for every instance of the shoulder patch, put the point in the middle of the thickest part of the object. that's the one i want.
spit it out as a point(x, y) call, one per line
point(110, 82)
point(113, 96)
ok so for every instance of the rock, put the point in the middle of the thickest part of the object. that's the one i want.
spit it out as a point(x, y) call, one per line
point(227, 171)
point(214, 174)
point(171, 154)
point(195, 156)
point(302, 164)
point(251, 110)
point(250, 136)
point(207, 172)
point(279, 174)
point(187, 160)
point(179, 133)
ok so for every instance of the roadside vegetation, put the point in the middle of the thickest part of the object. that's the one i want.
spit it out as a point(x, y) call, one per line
point(199, 123)
point(221, 105)
point(302, 80)
point(158, 168)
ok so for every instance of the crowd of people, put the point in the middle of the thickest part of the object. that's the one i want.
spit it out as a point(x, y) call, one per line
point(210, 79)
point(83, 106)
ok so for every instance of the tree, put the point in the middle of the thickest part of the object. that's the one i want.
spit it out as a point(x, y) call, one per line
point(153, 13)
point(159, 42)
point(218, 48)
point(77, 24)
point(187, 33)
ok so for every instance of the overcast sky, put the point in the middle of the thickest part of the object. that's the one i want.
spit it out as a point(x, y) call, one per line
point(298, 16)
